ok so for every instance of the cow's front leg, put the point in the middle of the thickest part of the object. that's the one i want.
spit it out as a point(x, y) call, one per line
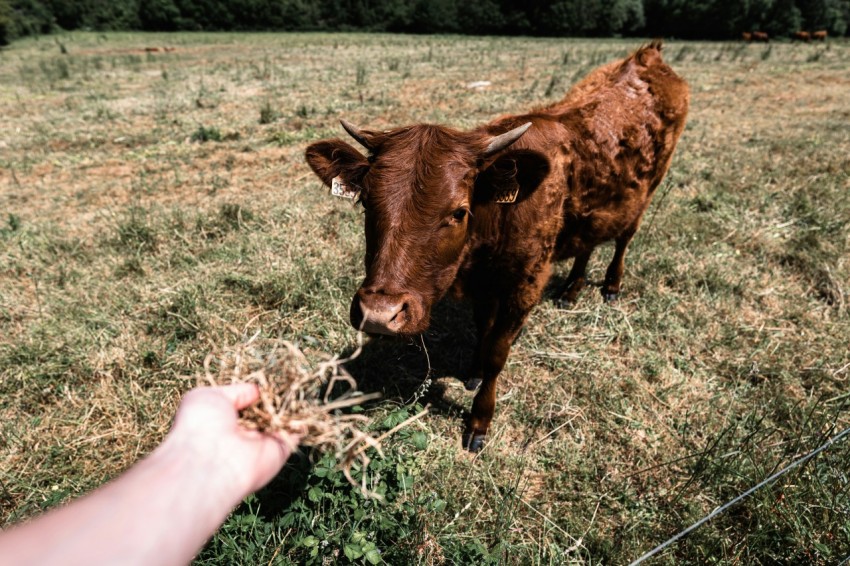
point(499, 321)
point(486, 310)
point(492, 354)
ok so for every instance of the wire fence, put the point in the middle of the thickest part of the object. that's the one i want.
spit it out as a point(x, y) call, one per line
point(746, 494)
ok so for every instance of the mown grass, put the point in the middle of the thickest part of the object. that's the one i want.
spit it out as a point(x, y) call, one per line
point(128, 250)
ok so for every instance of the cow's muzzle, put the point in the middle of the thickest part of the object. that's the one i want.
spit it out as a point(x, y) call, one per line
point(377, 312)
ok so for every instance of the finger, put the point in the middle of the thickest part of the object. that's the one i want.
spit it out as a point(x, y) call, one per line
point(288, 439)
point(271, 455)
point(240, 394)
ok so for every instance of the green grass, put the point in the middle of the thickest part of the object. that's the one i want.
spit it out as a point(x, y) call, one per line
point(128, 251)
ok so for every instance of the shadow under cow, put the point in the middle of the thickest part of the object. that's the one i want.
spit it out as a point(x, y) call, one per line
point(398, 368)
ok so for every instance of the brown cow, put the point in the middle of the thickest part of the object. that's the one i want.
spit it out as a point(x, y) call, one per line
point(485, 212)
point(802, 36)
point(761, 36)
point(819, 35)
point(747, 36)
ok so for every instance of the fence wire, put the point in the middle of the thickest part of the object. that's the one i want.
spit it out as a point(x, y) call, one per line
point(744, 495)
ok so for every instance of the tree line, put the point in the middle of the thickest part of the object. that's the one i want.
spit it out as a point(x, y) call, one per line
point(687, 19)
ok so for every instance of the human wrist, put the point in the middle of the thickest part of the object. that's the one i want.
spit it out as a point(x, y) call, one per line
point(203, 468)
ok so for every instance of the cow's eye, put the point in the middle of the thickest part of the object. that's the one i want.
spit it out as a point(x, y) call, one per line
point(459, 214)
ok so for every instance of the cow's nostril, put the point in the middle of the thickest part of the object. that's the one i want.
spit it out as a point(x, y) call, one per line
point(356, 314)
point(402, 309)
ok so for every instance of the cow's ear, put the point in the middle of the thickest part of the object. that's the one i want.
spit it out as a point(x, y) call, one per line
point(512, 177)
point(338, 165)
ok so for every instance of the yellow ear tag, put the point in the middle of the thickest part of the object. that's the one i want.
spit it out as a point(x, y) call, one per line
point(507, 196)
point(341, 190)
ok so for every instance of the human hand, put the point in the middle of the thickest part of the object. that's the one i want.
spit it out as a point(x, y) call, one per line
point(163, 508)
point(207, 427)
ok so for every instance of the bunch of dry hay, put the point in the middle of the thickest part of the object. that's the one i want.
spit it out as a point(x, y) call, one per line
point(297, 399)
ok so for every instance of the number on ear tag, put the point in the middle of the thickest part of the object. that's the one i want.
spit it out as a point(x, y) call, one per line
point(341, 190)
point(507, 196)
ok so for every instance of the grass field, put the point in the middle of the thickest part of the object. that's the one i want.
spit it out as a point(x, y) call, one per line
point(156, 206)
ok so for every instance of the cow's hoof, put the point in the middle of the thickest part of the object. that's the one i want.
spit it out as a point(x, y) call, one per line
point(518, 335)
point(474, 442)
point(473, 384)
point(610, 297)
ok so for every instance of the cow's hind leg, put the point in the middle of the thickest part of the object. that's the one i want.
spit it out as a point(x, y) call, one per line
point(576, 280)
point(614, 274)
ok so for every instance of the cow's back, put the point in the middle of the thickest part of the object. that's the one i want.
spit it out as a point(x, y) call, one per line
point(623, 122)
point(608, 142)
point(626, 105)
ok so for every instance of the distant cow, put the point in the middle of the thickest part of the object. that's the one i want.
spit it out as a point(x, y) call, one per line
point(484, 213)
point(747, 36)
point(761, 36)
point(802, 36)
point(819, 35)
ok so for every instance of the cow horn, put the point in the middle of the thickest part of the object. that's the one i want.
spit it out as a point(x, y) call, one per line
point(504, 140)
point(356, 133)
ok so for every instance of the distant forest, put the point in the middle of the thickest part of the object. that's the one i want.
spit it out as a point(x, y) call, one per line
point(690, 19)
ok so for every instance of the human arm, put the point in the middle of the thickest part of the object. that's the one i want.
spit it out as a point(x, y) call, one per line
point(165, 507)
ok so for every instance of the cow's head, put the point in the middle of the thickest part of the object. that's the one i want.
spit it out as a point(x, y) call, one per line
point(416, 186)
